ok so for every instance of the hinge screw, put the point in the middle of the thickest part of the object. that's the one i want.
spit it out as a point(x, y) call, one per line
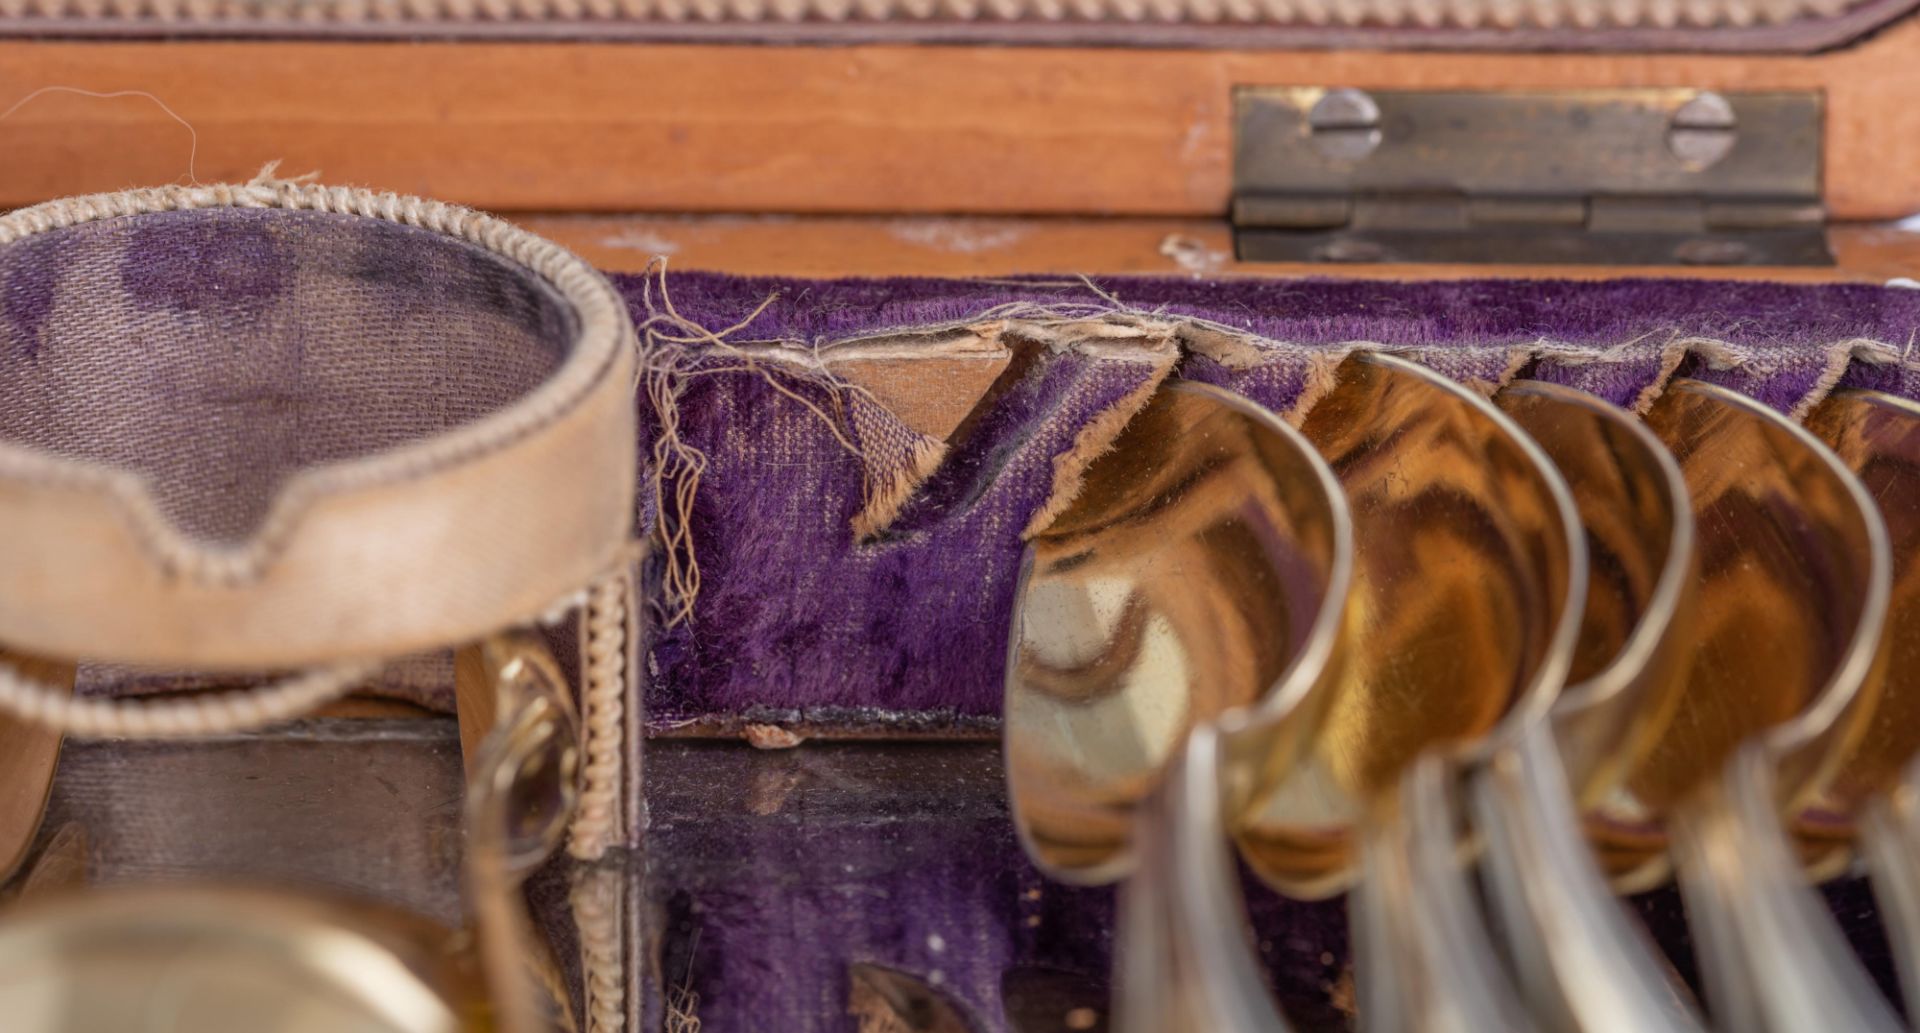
point(1702, 131)
point(1345, 124)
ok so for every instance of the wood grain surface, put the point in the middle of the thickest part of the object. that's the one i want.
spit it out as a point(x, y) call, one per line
point(879, 128)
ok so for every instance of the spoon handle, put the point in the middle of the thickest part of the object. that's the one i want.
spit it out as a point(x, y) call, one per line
point(1420, 896)
point(1381, 977)
point(1890, 839)
point(1583, 965)
point(1186, 958)
point(1773, 958)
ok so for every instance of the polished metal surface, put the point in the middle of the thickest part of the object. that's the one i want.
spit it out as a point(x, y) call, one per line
point(1208, 656)
point(1628, 667)
point(1467, 586)
point(1183, 583)
point(1581, 964)
point(1793, 591)
point(225, 960)
point(522, 790)
point(1891, 842)
point(270, 949)
point(1665, 176)
point(1786, 667)
point(1472, 574)
point(1425, 960)
point(1878, 437)
point(1186, 962)
point(523, 773)
point(342, 810)
point(1200, 578)
point(1771, 956)
point(1431, 655)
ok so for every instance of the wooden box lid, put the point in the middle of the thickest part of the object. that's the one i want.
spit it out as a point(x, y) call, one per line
point(900, 123)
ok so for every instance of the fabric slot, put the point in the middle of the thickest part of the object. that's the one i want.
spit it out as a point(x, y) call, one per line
point(1097, 436)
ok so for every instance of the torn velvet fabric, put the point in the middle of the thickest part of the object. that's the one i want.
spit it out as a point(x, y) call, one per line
point(809, 616)
point(901, 624)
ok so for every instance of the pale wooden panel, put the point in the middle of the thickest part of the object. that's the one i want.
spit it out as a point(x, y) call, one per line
point(561, 126)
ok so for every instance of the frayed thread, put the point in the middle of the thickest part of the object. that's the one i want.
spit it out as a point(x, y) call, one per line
point(672, 350)
point(270, 178)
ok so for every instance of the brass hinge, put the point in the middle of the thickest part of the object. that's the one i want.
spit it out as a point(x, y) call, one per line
point(1633, 176)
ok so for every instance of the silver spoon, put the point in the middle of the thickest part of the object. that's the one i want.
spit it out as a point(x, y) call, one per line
point(1581, 963)
point(1444, 490)
point(1877, 436)
point(1795, 579)
point(1187, 580)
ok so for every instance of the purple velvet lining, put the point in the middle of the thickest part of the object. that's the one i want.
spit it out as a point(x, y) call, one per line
point(798, 621)
point(1326, 311)
point(768, 874)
